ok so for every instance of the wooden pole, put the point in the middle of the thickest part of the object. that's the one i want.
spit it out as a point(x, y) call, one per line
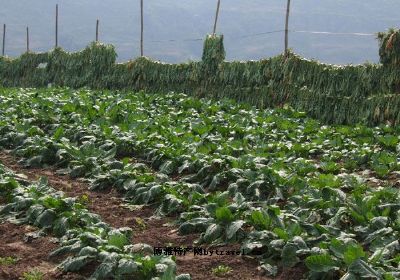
point(141, 28)
point(216, 18)
point(4, 40)
point(56, 25)
point(97, 30)
point(287, 28)
point(27, 39)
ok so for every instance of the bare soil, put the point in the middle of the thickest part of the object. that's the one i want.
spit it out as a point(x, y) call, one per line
point(29, 256)
point(148, 229)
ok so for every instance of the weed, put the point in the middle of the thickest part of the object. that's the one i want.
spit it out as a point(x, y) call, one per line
point(221, 270)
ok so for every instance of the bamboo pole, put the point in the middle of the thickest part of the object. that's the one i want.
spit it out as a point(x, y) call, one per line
point(56, 25)
point(4, 40)
point(27, 39)
point(97, 30)
point(216, 18)
point(141, 28)
point(287, 28)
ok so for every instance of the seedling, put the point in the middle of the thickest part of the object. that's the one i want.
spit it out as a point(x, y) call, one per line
point(141, 223)
point(222, 271)
point(8, 260)
point(84, 199)
point(34, 274)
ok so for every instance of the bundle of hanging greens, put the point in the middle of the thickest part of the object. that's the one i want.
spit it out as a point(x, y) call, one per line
point(389, 50)
point(146, 74)
point(213, 54)
point(23, 71)
point(5, 71)
point(88, 67)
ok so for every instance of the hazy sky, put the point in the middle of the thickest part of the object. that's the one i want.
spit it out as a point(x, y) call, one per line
point(172, 25)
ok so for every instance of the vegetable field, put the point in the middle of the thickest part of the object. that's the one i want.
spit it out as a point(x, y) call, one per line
point(285, 189)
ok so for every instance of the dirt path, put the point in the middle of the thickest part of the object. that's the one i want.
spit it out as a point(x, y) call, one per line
point(147, 229)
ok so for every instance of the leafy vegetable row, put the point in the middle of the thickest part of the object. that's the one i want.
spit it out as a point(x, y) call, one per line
point(83, 237)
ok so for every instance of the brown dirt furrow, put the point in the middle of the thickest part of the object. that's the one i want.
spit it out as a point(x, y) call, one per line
point(147, 229)
point(29, 256)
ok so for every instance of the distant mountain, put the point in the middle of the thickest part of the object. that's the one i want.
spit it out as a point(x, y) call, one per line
point(172, 27)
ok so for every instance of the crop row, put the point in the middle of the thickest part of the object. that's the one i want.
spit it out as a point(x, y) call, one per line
point(84, 239)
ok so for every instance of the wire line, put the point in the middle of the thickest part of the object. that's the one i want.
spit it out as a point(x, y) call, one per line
point(332, 33)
